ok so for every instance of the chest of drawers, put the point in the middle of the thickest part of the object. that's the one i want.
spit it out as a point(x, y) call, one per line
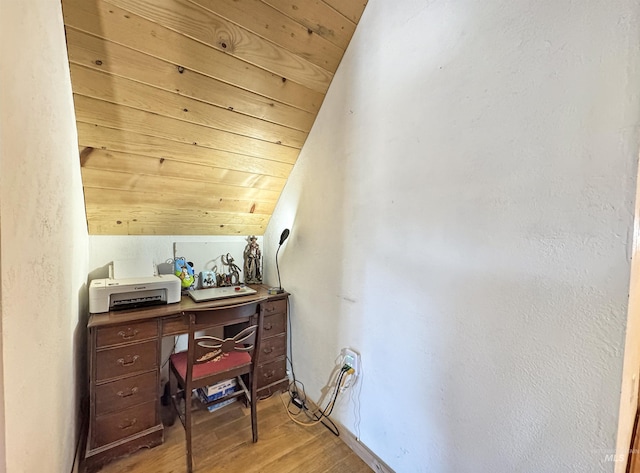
point(124, 391)
point(272, 364)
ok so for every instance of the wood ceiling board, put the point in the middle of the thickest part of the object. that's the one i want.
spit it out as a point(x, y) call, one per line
point(273, 25)
point(122, 227)
point(268, 137)
point(119, 90)
point(98, 178)
point(133, 143)
point(126, 119)
point(192, 21)
point(179, 216)
point(102, 55)
point(352, 9)
point(161, 200)
point(109, 22)
point(135, 164)
point(320, 18)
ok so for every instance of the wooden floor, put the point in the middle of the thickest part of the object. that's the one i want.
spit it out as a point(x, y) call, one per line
point(222, 443)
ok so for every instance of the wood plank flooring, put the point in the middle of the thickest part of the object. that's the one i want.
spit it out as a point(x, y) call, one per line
point(222, 443)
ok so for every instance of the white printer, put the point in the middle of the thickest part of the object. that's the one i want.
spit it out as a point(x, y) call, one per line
point(116, 294)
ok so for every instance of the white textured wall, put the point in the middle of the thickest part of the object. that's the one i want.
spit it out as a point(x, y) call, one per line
point(43, 241)
point(631, 365)
point(461, 214)
point(204, 251)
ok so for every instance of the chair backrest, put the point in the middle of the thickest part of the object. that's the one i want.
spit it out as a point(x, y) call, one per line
point(246, 320)
point(208, 348)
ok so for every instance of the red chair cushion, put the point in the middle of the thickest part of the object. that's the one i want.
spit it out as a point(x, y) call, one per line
point(229, 361)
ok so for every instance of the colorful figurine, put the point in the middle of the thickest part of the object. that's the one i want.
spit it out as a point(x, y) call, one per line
point(184, 270)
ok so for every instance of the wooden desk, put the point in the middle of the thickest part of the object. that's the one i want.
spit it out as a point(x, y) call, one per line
point(125, 362)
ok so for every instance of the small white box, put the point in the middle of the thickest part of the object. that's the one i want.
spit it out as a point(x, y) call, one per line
point(218, 390)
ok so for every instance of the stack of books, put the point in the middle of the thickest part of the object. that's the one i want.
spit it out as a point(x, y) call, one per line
point(216, 391)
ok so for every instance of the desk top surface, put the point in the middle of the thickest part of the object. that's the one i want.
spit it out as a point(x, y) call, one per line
point(186, 303)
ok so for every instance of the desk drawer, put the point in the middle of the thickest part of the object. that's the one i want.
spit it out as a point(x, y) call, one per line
point(175, 325)
point(271, 372)
point(130, 359)
point(272, 348)
point(134, 332)
point(274, 307)
point(273, 325)
point(116, 426)
point(126, 392)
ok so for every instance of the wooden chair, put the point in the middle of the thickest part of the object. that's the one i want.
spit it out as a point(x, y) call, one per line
point(209, 360)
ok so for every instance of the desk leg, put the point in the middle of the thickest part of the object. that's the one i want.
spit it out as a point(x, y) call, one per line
point(167, 410)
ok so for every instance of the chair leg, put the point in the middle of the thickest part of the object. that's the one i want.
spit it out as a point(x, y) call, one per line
point(254, 403)
point(187, 413)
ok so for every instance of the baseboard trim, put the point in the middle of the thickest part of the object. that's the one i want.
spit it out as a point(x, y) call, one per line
point(360, 449)
point(82, 437)
point(76, 462)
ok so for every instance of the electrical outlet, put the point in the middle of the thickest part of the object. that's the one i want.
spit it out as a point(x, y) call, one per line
point(351, 358)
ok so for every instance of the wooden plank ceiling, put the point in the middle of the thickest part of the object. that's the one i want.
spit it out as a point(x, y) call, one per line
point(192, 113)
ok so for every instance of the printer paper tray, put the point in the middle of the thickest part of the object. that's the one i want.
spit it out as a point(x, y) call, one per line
point(138, 299)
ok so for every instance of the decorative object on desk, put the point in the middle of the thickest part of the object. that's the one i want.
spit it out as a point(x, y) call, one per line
point(283, 237)
point(208, 279)
point(233, 276)
point(184, 270)
point(252, 260)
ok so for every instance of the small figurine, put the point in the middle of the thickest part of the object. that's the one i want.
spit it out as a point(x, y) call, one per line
point(184, 270)
point(252, 257)
point(233, 277)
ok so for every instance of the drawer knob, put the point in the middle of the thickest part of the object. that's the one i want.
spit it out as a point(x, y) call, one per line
point(269, 374)
point(127, 424)
point(270, 309)
point(268, 326)
point(128, 334)
point(267, 350)
point(128, 393)
point(130, 360)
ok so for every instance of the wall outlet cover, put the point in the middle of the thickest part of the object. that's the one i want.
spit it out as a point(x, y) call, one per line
point(352, 358)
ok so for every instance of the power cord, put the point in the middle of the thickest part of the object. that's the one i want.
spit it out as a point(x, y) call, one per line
point(298, 397)
point(318, 415)
point(294, 394)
